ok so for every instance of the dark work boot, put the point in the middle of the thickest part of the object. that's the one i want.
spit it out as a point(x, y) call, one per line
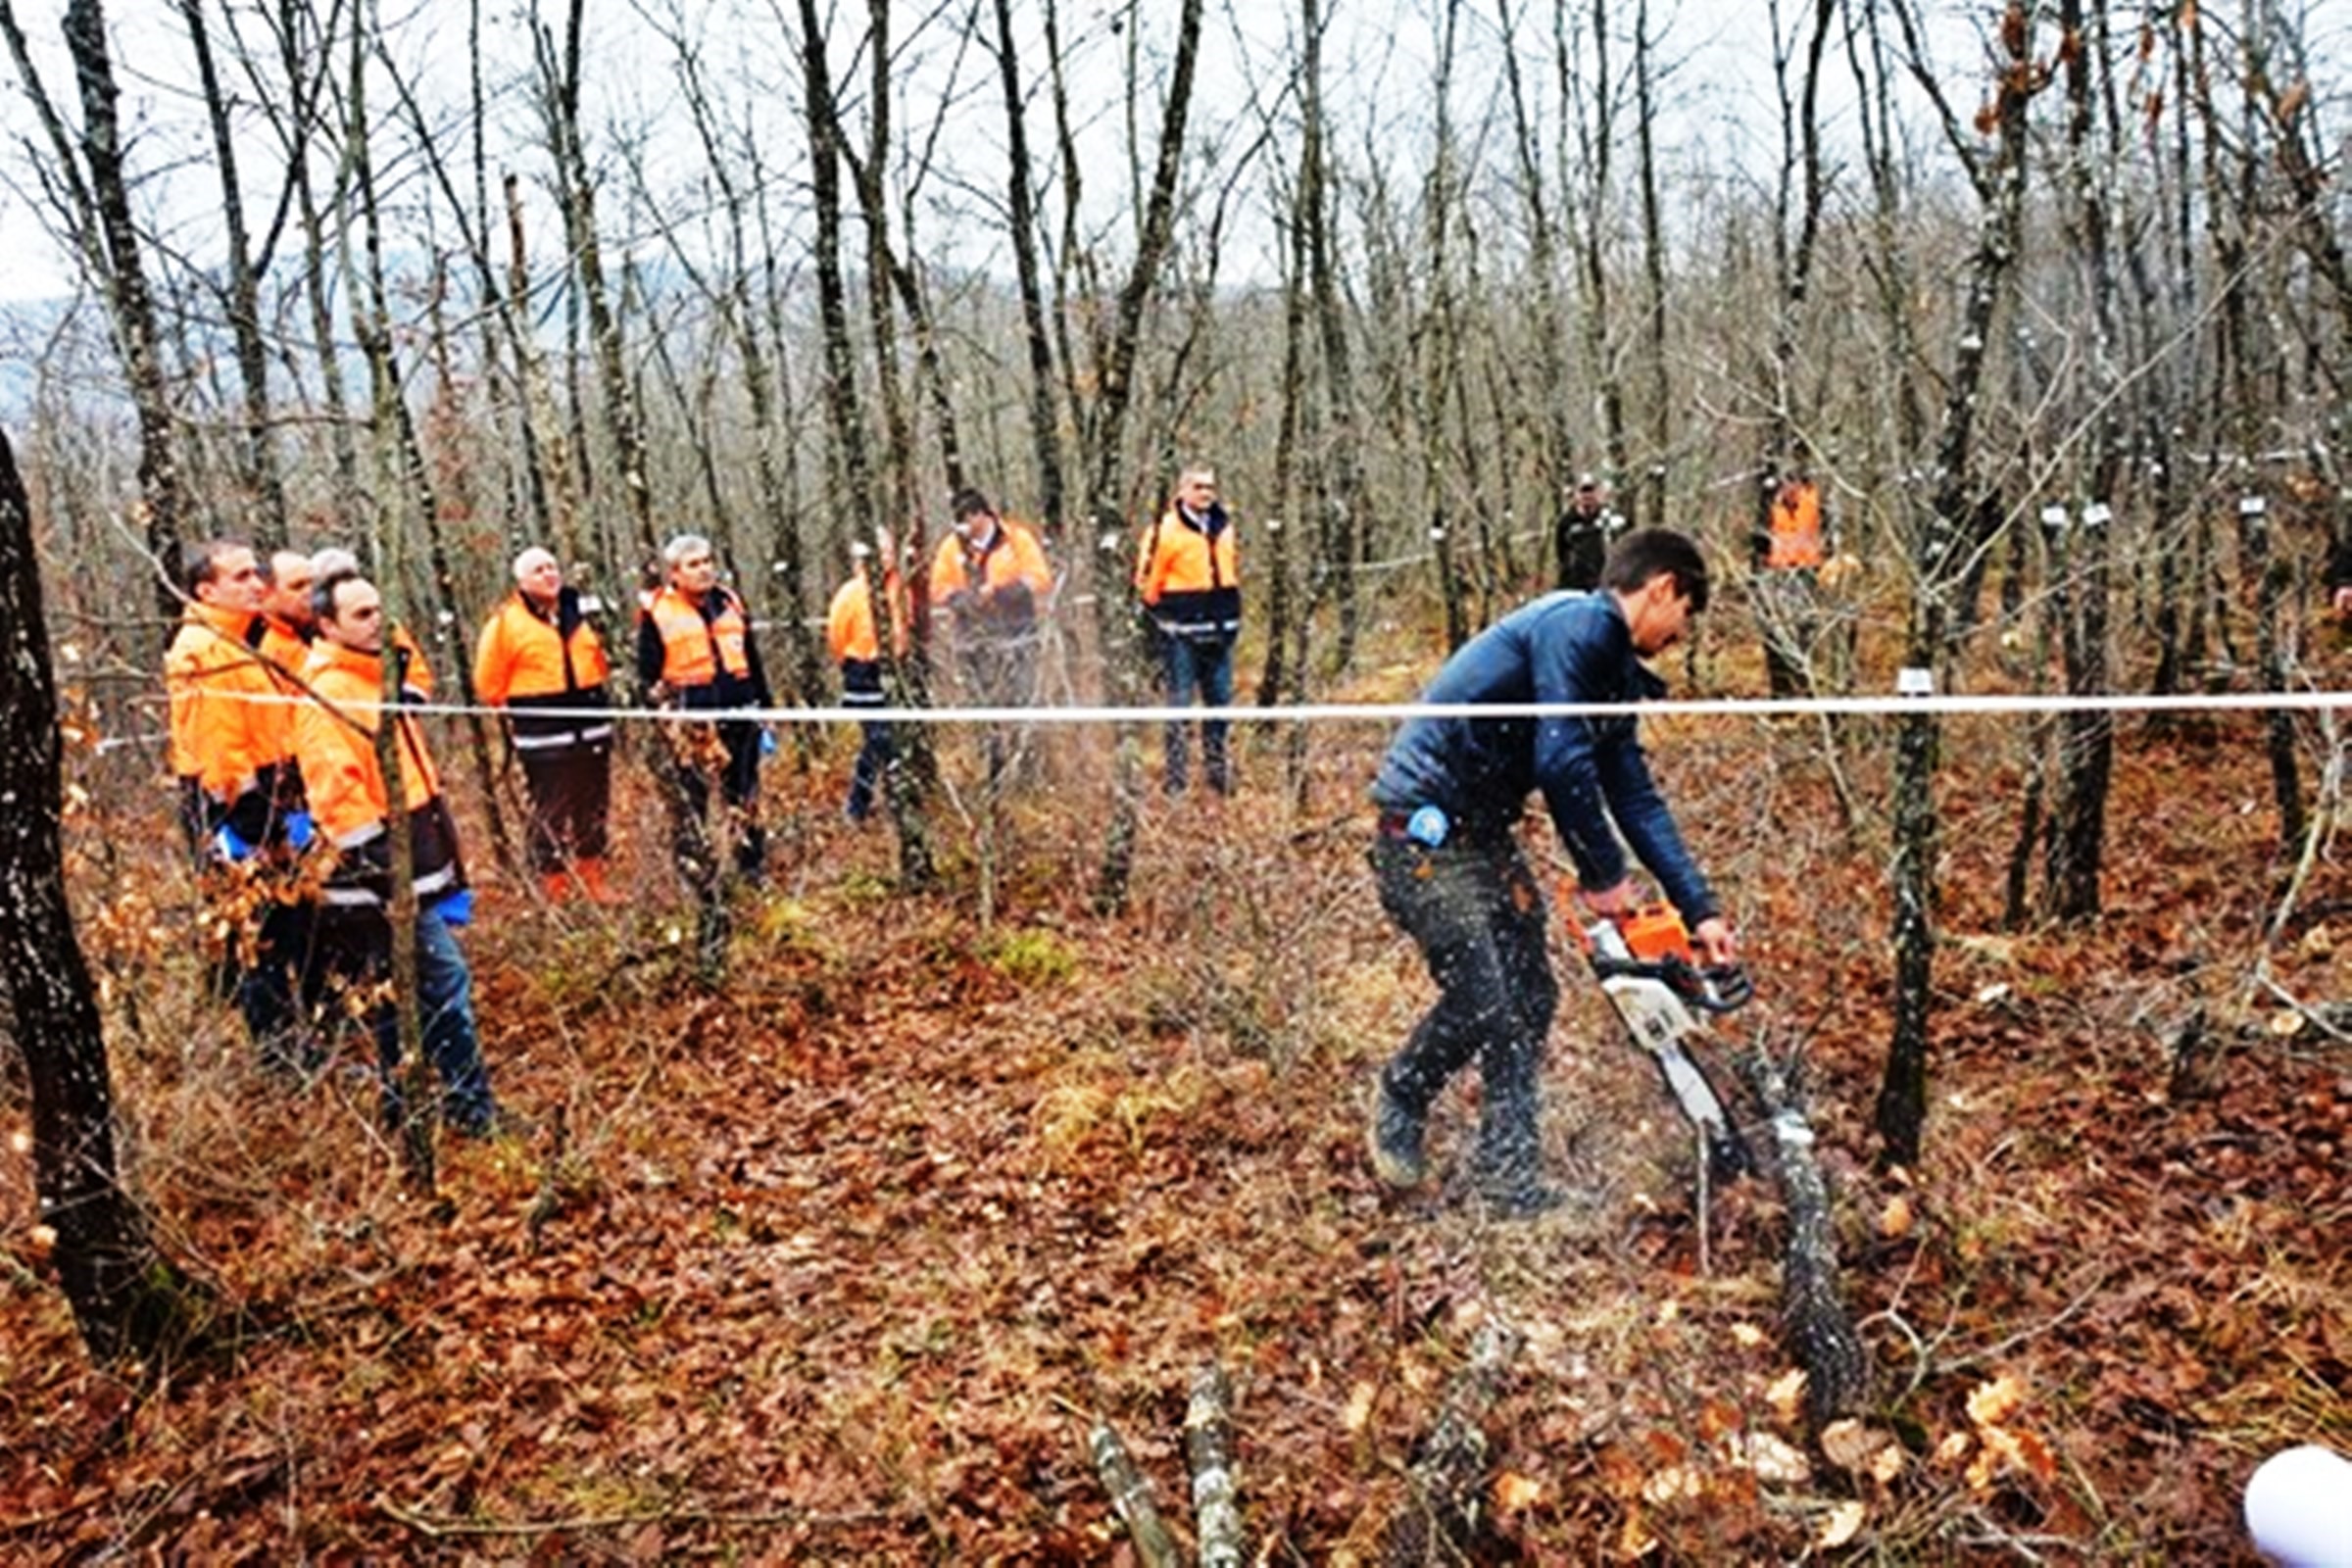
point(1509, 1165)
point(1395, 1133)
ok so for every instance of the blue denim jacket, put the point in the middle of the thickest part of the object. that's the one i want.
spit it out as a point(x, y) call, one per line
point(1563, 647)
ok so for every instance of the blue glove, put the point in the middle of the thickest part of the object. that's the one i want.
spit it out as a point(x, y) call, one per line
point(299, 830)
point(767, 743)
point(229, 844)
point(457, 908)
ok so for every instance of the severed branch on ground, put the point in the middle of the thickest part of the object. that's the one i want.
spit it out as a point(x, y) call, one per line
point(1131, 1494)
point(1813, 1316)
point(1450, 1464)
point(1216, 1481)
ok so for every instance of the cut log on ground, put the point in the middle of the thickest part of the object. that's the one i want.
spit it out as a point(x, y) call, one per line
point(1449, 1465)
point(1216, 1482)
point(1813, 1317)
point(1131, 1494)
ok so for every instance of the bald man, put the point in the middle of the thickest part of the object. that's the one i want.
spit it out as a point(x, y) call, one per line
point(541, 661)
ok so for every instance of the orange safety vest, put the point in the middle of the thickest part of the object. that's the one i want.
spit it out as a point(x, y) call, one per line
point(1796, 541)
point(693, 649)
point(850, 619)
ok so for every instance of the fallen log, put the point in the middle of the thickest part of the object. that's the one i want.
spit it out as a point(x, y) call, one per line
point(1216, 1482)
point(1814, 1322)
point(1449, 1469)
point(1131, 1494)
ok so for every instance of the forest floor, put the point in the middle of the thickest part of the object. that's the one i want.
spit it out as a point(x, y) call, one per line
point(842, 1259)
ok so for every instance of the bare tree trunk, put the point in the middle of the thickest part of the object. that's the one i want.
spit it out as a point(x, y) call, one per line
point(1343, 524)
point(128, 1302)
point(268, 493)
point(908, 785)
point(1902, 1102)
point(1434, 341)
point(403, 483)
point(559, 85)
point(1045, 435)
point(1116, 621)
point(1542, 265)
point(2086, 738)
point(1647, 500)
point(130, 304)
point(1597, 136)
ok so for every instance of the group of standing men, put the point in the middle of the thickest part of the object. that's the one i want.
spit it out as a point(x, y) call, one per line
point(282, 672)
point(991, 581)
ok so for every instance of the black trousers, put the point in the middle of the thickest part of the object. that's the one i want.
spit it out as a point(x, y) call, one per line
point(570, 788)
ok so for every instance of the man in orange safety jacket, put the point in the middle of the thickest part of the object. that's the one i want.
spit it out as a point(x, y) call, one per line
point(241, 792)
point(991, 577)
point(856, 643)
point(1788, 549)
point(335, 738)
point(540, 660)
point(696, 653)
point(1188, 574)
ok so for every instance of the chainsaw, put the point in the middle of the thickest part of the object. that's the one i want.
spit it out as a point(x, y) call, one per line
point(1645, 963)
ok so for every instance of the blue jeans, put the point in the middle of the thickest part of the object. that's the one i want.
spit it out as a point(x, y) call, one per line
point(445, 1014)
point(1202, 666)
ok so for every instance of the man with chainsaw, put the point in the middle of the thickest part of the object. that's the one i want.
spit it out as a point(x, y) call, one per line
point(1451, 873)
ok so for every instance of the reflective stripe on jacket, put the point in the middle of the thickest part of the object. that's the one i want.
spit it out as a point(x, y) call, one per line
point(532, 657)
point(699, 646)
point(1188, 572)
point(348, 797)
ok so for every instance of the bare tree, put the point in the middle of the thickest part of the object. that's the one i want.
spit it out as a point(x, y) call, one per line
point(1998, 178)
point(129, 1303)
point(93, 174)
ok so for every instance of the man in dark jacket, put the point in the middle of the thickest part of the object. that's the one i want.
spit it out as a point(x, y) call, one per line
point(1450, 871)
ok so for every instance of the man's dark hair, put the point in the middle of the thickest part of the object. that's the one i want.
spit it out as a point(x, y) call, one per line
point(970, 503)
point(322, 592)
point(1646, 553)
point(200, 563)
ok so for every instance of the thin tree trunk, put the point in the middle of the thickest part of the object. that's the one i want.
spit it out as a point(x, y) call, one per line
point(2086, 738)
point(1115, 622)
point(1902, 1101)
point(1045, 435)
point(130, 304)
point(260, 464)
point(559, 78)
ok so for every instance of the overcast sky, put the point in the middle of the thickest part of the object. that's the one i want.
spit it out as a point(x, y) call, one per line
point(1719, 107)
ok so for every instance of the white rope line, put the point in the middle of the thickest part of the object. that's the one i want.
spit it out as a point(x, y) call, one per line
point(1881, 706)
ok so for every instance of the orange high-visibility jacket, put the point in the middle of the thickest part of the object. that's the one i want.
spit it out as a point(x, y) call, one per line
point(289, 649)
point(529, 657)
point(348, 797)
point(527, 652)
point(1188, 571)
point(1796, 539)
point(850, 619)
point(1013, 557)
point(230, 732)
point(694, 650)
